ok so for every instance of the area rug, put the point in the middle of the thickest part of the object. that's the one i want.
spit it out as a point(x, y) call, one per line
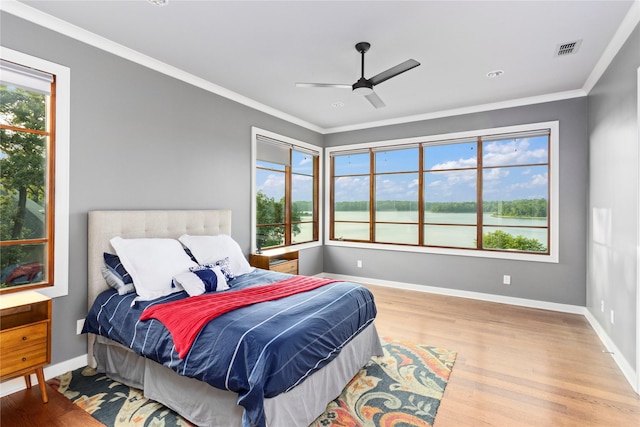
point(402, 388)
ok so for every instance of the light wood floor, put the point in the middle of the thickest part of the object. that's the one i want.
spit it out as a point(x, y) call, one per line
point(515, 367)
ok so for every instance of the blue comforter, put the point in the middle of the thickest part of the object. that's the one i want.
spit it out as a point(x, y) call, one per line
point(257, 351)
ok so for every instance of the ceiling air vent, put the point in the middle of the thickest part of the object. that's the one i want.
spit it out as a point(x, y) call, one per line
point(568, 48)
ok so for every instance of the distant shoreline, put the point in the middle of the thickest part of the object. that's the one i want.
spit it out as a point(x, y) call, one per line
point(516, 216)
point(494, 215)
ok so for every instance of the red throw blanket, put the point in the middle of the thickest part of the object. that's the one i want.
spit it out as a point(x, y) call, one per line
point(185, 318)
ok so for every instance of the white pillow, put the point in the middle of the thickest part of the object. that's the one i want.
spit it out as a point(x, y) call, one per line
point(152, 263)
point(194, 283)
point(209, 249)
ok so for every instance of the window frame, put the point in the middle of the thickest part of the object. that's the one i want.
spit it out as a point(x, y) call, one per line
point(553, 188)
point(255, 131)
point(60, 182)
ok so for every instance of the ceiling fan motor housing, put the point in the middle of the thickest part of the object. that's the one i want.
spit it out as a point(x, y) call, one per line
point(362, 47)
point(362, 87)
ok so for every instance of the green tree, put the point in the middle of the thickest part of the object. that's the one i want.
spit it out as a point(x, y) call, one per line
point(270, 212)
point(523, 208)
point(22, 163)
point(502, 240)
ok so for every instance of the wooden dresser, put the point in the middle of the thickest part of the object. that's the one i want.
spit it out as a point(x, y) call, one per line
point(281, 260)
point(25, 337)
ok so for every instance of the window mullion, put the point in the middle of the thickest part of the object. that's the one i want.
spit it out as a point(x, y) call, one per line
point(421, 196)
point(51, 177)
point(316, 196)
point(479, 200)
point(372, 189)
point(332, 198)
point(288, 200)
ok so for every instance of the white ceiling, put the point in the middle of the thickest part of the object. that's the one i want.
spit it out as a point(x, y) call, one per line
point(255, 51)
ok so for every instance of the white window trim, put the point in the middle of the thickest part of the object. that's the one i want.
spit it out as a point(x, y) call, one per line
point(554, 199)
point(257, 131)
point(63, 125)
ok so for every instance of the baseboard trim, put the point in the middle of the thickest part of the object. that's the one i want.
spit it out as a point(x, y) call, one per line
point(17, 384)
point(523, 302)
point(624, 366)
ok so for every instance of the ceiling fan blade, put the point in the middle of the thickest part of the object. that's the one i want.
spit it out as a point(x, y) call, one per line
point(375, 100)
point(394, 71)
point(338, 85)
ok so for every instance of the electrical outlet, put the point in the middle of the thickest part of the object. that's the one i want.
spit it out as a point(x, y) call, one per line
point(79, 326)
point(602, 306)
point(359, 263)
point(612, 318)
point(506, 279)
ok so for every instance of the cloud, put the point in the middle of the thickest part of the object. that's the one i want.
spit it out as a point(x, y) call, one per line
point(351, 188)
point(456, 164)
point(521, 185)
point(540, 179)
point(512, 152)
point(305, 160)
point(451, 186)
point(401, 187)
point(301, 179)
point(274, 183)
point(495, 174)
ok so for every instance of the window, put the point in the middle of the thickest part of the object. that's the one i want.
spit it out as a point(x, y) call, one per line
point(286, 188)
point(33, 174)
point(487, 193)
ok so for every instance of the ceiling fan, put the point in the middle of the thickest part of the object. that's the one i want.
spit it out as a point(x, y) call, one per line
point(365, 86)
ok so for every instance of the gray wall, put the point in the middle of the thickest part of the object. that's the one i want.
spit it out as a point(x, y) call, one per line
point(613, 198)
point(563, 282)
point(142, 140)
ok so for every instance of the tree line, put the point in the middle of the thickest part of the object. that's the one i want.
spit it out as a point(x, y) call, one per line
point(522, 208)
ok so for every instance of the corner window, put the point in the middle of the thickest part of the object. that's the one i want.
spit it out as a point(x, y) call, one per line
point(33, 152)
point(487, 193)
point(286, 188)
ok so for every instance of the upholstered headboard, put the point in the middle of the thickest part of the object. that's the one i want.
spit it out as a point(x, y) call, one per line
point(104, 225)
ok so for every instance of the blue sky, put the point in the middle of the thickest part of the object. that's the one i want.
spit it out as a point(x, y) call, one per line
point(272, 184)
point(441, 183)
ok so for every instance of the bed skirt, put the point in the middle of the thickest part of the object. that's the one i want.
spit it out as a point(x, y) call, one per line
point(205, 405)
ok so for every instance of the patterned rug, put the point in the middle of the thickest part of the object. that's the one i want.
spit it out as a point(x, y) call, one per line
point(401, 388)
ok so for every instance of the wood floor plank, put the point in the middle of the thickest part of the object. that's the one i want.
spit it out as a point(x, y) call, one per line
point(516, 366)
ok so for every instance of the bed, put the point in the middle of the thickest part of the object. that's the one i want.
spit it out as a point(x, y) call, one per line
point(198, 401)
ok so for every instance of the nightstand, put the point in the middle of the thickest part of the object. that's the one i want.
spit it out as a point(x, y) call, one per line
point(281, 260)
point(25, 337)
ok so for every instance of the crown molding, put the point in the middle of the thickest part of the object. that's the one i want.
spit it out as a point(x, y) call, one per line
point(627, 26)
point(35, 16)
point(558, 96)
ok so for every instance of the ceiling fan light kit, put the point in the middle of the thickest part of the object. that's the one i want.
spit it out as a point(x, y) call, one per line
point(365, 86)
point(362, 87)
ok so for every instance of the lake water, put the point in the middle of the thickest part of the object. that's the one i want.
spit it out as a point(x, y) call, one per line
point(462, 234)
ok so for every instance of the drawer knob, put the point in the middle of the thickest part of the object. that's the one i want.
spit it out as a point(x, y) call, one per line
point(24, 359)
point(24, 338)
